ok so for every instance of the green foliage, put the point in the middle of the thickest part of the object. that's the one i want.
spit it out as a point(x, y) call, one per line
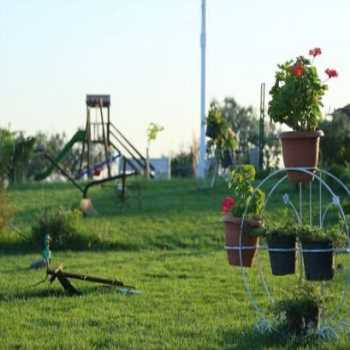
point(308, 233)
point(61, 224)
point(7, 144)
point(223, 139)
point(335, 145)
point(181, 164)
point(301, 311)
point(152, 131)
point(244, 124)
point(297, 98)
point(275, 230)
point(6, 211)
point(241, 183)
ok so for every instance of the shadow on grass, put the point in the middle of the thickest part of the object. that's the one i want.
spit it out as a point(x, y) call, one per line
point(94, 244)
point(33, 292)
point(280, 339)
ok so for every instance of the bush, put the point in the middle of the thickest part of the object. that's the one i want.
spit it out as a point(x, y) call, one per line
point(5, 210)
point(181, 165)
point(62, 225)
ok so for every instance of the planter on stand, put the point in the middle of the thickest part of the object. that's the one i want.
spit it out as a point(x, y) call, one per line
point(282, 262)
point(318, 265)
point(246, 246)
point(300, 149)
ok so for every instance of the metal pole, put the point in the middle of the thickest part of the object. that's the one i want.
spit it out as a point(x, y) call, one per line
point(201, 167)
point(261, 126)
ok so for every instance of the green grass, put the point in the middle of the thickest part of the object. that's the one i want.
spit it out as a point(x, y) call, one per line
point(167, 241)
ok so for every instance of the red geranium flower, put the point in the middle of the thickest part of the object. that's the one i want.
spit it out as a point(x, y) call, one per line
point(315, 52)
point(332, 73)
point(298, 70)
point(227, 204)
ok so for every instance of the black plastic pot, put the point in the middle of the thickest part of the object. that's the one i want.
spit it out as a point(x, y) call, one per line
point(282, 263)
point(319, 266)
point(227, 159)
point(212, 129)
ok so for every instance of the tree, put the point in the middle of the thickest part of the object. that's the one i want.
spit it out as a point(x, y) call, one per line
point(245, 124)
point(7, 144)
point(335, 145)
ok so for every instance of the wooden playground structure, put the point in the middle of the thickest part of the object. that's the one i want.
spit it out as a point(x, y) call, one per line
point(100, 139)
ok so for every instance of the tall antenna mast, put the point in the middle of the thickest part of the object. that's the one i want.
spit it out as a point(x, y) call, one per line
point(201, 168)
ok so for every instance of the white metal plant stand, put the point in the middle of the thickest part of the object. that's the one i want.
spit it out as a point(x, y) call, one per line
point(328, 193)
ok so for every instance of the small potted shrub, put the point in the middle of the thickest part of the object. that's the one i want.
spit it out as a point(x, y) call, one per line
point(300, 313)
point(237, 233)
point(281, 237)
point(296, 101)
point(317, 244)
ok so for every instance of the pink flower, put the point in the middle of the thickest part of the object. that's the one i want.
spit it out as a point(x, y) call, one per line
point(332, 73)
point(315, 52)
point(227, 204)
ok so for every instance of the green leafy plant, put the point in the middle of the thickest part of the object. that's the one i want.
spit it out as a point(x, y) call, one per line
point(241, 183)
point(61, 224)
point(297, 93)
point(309, 234)
point(222, 138)
point(300, 313)
point(275, 230)
point(153, 130)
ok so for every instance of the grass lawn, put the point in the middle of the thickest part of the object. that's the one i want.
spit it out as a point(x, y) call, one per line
point(167, 241)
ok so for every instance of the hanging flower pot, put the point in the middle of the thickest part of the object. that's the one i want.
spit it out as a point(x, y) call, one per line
point(300, 149)
point(227, 158)
point(318, 264)
point(244, 247)
point(282, 262)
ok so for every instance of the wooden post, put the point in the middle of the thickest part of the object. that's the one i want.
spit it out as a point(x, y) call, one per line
point(105, 141)
point(88, 136)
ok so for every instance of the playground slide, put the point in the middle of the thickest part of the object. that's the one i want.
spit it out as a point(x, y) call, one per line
point(79, 136)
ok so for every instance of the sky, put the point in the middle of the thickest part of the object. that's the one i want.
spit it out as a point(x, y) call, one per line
point(146, 55)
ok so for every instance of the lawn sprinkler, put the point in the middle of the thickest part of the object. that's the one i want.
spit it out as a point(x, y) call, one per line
point(63, 277)
point(46, 255)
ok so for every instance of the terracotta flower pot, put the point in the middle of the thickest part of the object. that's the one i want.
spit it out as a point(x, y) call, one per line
point(232, 239)
point(300, 149)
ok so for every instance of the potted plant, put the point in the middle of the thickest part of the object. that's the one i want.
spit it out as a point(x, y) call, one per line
point(281, 243)
point(242, 244)
point(300, 313)
point(317, 245)
point(296, 101)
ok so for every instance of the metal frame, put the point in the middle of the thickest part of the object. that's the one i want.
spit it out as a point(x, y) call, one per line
point(264, 324)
